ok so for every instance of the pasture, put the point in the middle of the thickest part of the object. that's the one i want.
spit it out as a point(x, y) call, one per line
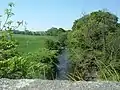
point(29, 43)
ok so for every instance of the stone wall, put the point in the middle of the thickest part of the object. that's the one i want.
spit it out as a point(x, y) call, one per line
point(37, 84)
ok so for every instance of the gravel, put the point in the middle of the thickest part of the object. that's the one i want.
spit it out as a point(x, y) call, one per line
point(37, 84)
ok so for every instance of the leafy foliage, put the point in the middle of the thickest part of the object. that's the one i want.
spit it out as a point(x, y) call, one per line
point(52, 45)
point(35, 65)
point(54, 31)
point(41, 64)
point(8, 49)
point(62, 39)
point(92, 40)
point(7, 43)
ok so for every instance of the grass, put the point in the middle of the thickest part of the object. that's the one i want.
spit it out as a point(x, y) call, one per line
point(29, 43)
point(106, 72)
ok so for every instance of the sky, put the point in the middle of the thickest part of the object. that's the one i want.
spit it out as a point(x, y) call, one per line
point(44, 14)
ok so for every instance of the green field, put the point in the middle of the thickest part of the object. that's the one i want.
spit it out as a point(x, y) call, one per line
point(29, 43)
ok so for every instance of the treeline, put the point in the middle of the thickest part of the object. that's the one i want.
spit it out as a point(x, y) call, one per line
point(27, 32)
point(51, 32)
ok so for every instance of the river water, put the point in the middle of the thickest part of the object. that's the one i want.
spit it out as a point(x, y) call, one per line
point(63, 66)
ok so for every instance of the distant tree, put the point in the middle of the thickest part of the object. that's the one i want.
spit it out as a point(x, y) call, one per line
point(54, 31)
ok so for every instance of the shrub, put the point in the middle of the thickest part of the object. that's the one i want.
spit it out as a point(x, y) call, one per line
point(7, 43)
point(41, 65)
point(62, 39)
point(52, 45)
point(94, 38)
point(7, 48)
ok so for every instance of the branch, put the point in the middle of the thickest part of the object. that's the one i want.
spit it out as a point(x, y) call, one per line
point(5, 22)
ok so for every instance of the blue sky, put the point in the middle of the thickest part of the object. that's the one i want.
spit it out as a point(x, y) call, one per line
point(44, 14)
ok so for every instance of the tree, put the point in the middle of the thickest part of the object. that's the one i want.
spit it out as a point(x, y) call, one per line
point(41, 64)
point(52, 45)
point(88, 42)
point(54, 31)
point(7, 43)
point(62, 39)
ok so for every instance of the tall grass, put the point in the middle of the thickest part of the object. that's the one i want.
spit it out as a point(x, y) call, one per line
point(105, 71)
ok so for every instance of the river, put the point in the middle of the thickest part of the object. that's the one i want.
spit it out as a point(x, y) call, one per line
point(63, 66)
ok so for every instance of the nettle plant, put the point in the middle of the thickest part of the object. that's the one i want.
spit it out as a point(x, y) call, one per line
point(7, 43)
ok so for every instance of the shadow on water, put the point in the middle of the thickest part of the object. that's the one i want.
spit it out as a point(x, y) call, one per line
point(63, 66)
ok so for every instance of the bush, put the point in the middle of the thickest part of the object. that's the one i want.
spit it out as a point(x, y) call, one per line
point(41, 64)
point(7, 48)
point(52, 45)
point(94, 39)
point(62, 39)
point(38, 65)
point(7, 43)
